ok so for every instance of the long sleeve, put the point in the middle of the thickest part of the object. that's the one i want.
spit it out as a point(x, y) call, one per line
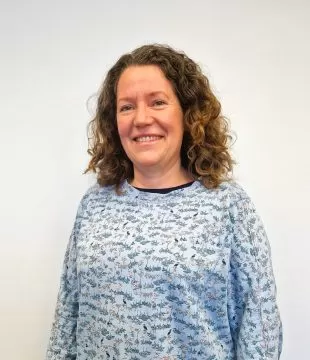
point(254, 318)
point(62, 343)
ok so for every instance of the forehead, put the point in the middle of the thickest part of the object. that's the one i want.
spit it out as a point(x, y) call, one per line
point(143, 78)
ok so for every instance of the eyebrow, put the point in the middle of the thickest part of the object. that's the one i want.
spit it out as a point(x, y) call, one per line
point(151, 94)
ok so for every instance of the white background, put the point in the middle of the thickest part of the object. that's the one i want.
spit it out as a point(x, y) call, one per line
point(54, 56)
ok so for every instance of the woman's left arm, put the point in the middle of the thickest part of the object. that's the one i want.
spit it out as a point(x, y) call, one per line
point(253, 314)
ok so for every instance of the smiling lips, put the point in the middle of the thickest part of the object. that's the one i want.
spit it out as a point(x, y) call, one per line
point(147, 138)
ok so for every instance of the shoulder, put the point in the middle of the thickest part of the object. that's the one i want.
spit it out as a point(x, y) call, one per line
point(242, 211)
point(234, 192)
point(96, 190)
point(228, 194)
point(96, 194)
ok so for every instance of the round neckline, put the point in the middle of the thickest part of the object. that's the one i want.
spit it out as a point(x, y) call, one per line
point(177, 194)
point(165, 190)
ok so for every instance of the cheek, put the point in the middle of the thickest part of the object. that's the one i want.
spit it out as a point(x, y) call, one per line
point(123, 129)
point(177, 126)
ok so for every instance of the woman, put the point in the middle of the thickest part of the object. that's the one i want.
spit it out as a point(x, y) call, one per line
point(168, 258)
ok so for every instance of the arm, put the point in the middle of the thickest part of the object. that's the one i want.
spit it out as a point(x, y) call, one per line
point(253, 313)
point(62, 343)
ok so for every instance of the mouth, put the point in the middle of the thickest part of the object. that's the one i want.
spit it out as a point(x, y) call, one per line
point(147, 138)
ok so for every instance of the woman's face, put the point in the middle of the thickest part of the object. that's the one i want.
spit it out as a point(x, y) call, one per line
point(149, 119)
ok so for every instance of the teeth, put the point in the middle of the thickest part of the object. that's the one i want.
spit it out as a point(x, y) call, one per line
point(147, 138)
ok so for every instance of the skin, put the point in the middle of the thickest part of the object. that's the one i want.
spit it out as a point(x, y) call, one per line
point(150, 126)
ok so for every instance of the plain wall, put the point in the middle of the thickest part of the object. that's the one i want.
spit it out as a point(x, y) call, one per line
point(54, 56)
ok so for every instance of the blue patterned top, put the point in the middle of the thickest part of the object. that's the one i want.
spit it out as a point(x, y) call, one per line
point(181, 275)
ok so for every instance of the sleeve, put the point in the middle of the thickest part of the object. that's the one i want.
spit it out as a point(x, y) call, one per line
point(62, 342)
point(254, 318)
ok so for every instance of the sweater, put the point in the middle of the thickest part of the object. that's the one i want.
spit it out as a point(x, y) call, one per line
point(167, 276)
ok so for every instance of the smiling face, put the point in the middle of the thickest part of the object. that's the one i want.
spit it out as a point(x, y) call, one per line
point(149, 120)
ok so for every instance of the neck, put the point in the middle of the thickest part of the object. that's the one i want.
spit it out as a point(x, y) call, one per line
point(154, 180)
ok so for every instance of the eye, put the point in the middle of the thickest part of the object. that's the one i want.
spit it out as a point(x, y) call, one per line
point(126, 107)
point(159, 103)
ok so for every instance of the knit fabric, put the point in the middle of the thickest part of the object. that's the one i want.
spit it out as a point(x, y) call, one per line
point(181, 275)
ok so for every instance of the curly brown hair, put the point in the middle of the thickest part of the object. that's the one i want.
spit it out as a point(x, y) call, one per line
point(206, 140)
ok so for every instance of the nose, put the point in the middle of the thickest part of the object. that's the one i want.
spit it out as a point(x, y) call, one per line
point(142, 116)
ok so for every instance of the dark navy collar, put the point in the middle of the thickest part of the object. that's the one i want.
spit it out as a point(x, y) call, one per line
point(165, 190)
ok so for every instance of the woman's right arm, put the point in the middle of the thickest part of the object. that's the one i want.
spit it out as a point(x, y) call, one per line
point(62, 342)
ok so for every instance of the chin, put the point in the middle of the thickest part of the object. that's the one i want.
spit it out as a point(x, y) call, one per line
point(146, 164)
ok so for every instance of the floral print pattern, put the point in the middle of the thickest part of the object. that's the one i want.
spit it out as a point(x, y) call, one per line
point(181, 275)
